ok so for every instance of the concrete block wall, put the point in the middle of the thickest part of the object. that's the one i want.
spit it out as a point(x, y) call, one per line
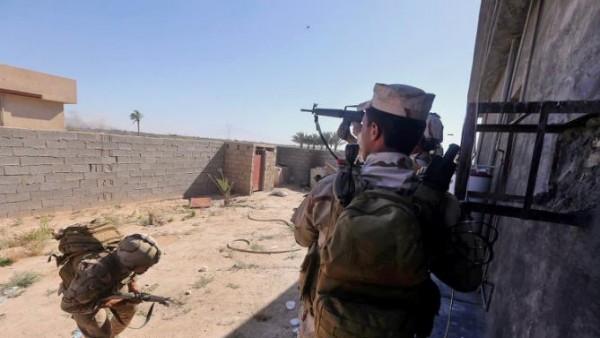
point(558, 296)
point(45, 171)
point(299, 162)
point(238, 166)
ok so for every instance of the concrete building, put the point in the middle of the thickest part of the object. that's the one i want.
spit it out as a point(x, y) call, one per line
point(34, 100)
point(545, 275)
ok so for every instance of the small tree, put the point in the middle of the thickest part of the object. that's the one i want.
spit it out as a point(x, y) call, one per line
point(136, 116)
point(225, 187)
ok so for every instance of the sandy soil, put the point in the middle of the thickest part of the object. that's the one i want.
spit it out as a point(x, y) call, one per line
point(218, 292)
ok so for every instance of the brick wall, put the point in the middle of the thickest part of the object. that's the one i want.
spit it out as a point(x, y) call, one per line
point(43, 171)
point(238, 166)
point(300, 161)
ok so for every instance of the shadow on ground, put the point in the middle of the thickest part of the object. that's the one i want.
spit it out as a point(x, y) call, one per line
point(467, 318)
point(272, 321)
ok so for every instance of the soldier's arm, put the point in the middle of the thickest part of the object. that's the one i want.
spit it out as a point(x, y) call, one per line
point(313, 216)
point(305, 232)
point(85, 289)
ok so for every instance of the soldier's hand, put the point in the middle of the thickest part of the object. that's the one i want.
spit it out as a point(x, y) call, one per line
point(440, 170)
point(133, 287)
point(111, 303)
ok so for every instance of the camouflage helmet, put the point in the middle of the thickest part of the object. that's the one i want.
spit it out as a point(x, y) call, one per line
point(138, 250)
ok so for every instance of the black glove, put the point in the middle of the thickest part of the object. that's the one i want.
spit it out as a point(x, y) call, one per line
point(440, 170)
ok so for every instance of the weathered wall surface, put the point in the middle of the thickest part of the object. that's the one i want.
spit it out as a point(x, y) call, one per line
point(557, 295)
point(300, 161)
point(269, 171)
point(42, 171)
point(238, 166)
point(31, 113)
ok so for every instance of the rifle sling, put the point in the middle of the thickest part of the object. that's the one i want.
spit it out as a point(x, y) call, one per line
point(148, 316)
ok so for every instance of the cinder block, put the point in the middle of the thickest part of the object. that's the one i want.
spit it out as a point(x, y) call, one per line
point(8, 188)
point(63, 177)
point(88, 137)
point(34, 143)
point(18, 197)
point(9, 160)
point(6, 151)
point(124, 146)
point(62, 168)
point(76, 144)
point(12, 142)
point(14, 170)
point(23, 133)
point(82, 168)
point(94, 145)
point(21, 188)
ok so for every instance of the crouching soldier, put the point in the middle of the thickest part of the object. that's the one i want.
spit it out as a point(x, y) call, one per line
point(101, 274)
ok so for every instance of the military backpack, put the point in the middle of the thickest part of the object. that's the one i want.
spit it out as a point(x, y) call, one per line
point(373, 279)
point(78, 241)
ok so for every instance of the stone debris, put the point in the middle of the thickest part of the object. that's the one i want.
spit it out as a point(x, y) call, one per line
point(278, 193)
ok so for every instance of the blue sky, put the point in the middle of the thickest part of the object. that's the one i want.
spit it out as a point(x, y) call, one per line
point(242, 69)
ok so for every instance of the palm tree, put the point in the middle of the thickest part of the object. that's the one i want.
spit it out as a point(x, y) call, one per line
point(136, 116)
point(299, 138)
point(333, 140)
point(315, 140)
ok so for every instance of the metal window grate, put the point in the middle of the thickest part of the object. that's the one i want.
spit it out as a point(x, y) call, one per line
point(493, 201)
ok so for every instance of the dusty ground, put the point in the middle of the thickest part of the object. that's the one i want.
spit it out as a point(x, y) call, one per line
point(239, 294)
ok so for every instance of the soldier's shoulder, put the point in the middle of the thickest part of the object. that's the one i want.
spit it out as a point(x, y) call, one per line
point(324, 188)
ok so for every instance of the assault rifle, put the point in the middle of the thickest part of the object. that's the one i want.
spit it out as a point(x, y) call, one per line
point(140, 297)
point(349, 115)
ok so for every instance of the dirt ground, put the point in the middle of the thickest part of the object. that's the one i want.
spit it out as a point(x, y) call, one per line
point(218, 292)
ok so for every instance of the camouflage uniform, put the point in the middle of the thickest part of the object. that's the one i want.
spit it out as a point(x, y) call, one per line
point(315, 219)
point(98, 275)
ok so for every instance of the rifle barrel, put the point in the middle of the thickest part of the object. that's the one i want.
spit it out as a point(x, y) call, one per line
point(352, 115)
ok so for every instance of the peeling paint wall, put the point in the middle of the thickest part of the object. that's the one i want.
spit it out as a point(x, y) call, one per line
point(546, 275)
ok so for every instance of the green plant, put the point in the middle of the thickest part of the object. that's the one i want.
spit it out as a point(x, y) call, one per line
point(189, 214)
point(239, 265)
point(4, 261)
point(23, 279)
point(202, 282)
point(151, 218)
point(50, 292)
point(36, 239)
point(233, 286)
point(225, 187)
point(256, 247)
point(45, 220)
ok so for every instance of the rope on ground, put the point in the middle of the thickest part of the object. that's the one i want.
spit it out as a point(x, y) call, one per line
point(265, 252)
point(231, 245)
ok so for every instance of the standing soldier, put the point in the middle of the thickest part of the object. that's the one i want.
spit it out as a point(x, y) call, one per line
point(365, 273)
point(430, 144)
